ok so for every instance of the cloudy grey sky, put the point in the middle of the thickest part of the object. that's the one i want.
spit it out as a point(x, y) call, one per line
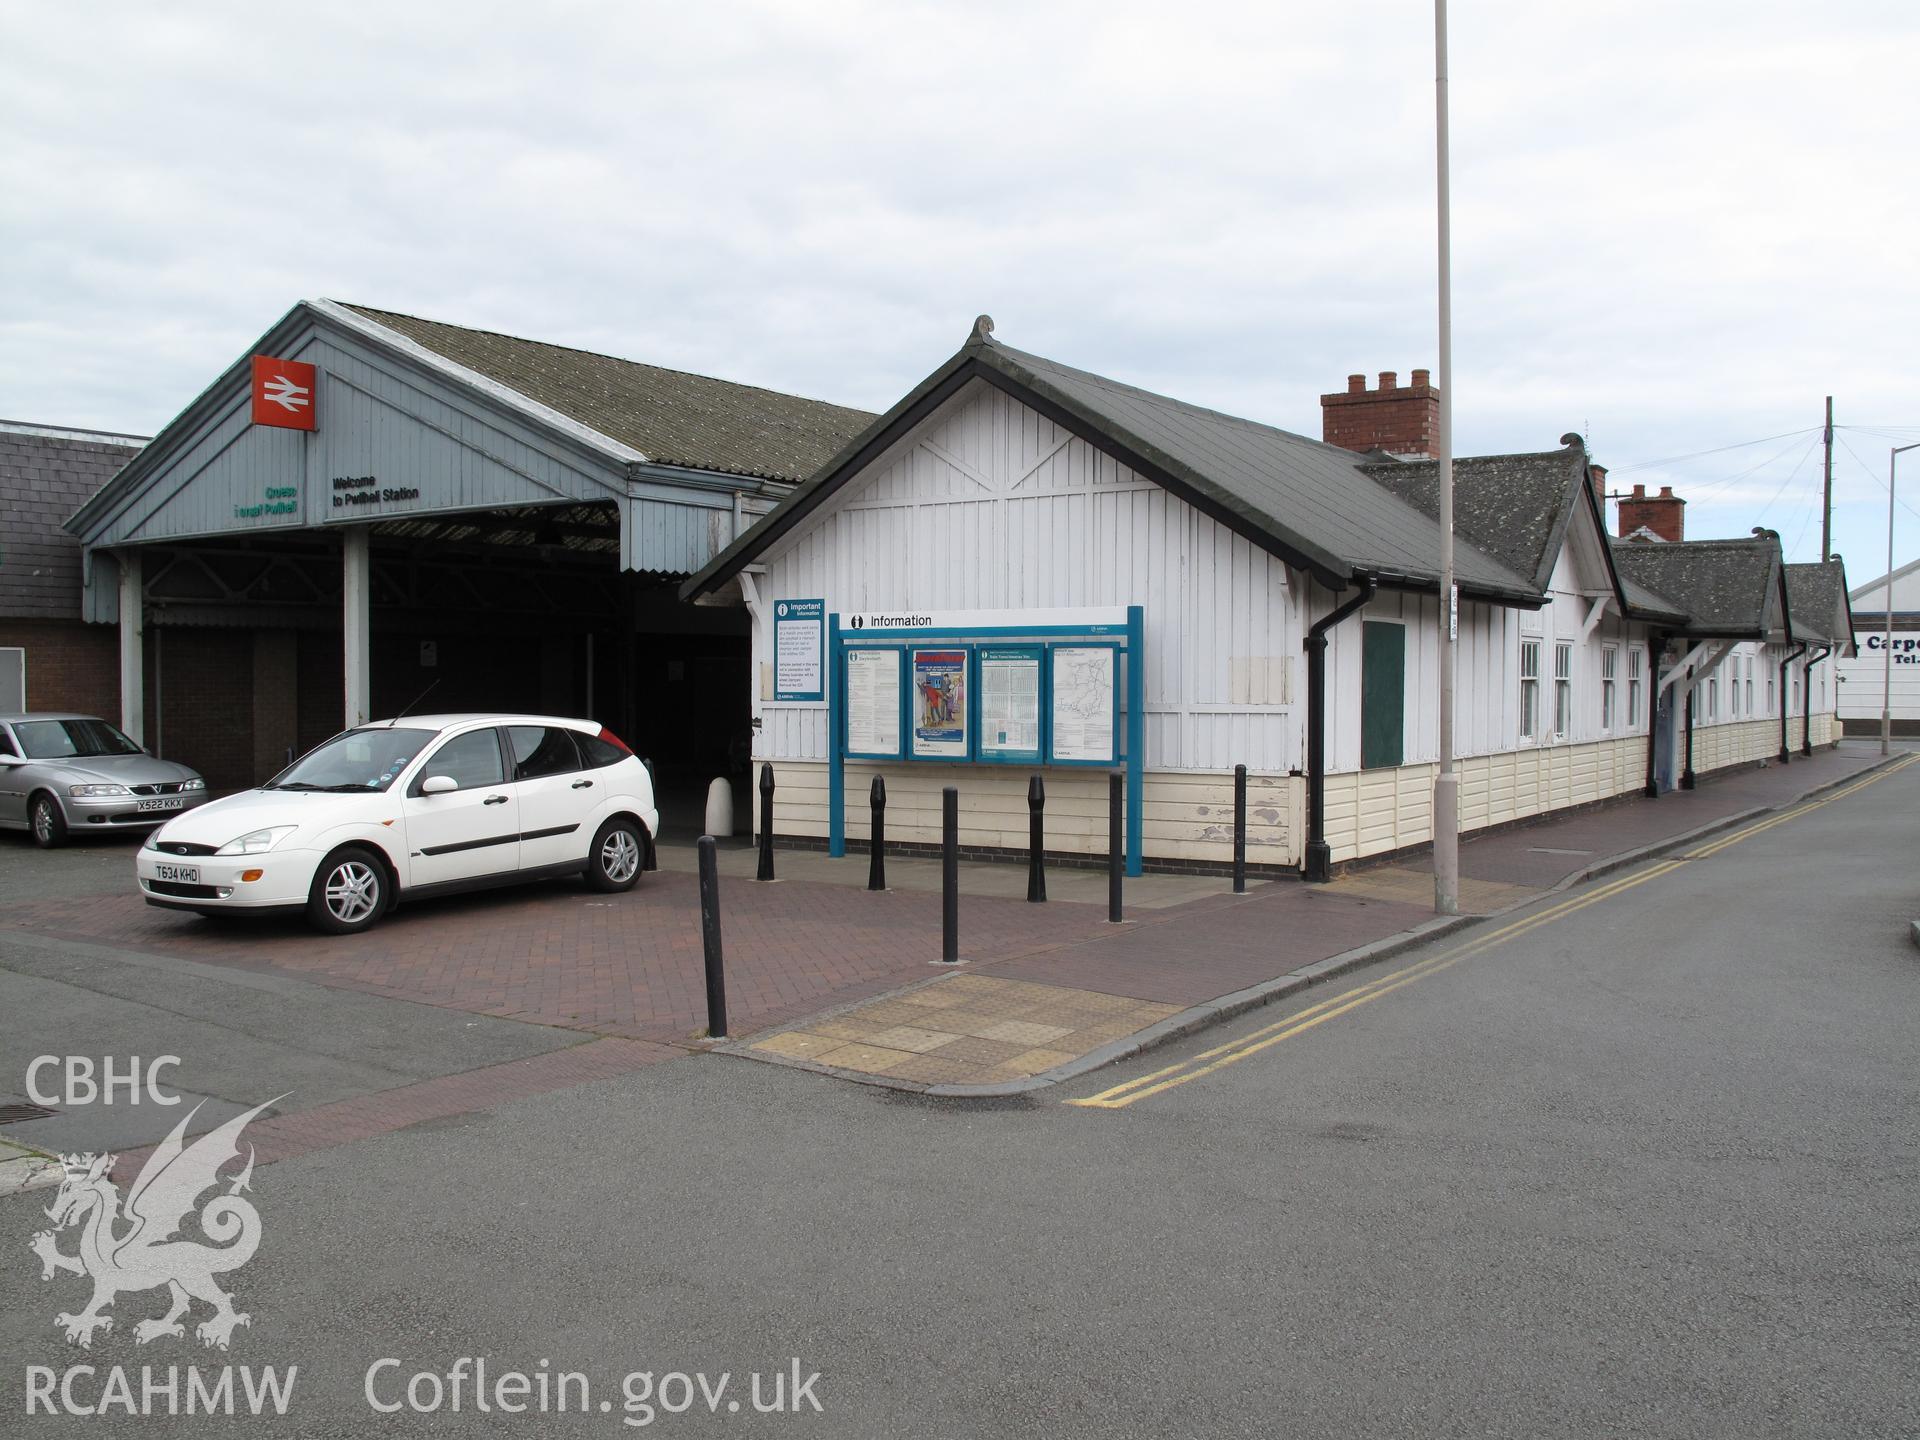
point(1677, 225)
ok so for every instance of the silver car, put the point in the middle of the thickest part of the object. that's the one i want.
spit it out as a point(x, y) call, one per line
point(62, 773)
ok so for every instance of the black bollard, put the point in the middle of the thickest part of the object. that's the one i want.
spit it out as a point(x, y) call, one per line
point(877, 844)
point(766, 824)
point(1036, 840)
point(1239, 829)
point(950, 875)
point(710, 938)
point(1116, 798)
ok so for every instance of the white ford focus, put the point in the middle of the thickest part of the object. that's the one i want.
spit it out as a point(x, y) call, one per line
point(406, 808)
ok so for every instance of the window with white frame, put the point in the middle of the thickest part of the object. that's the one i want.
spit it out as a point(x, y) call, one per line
point(1733, 688)
point(1713, 696)
point(1750, 709)
point(1562, 688)
point(1634, 659)
point(1609, 664)
point(1770, 690)
point(1529, 689)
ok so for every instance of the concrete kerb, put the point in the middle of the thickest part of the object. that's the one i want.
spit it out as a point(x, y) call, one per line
point(1228, 1007)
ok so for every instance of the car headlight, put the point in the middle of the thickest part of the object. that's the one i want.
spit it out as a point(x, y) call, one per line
point(257, 843)
point(91, 792)
point(194, 784)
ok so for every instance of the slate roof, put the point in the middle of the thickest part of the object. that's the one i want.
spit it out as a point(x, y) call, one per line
point(46, 473)
point(1311, 503)
point(670, 416)
point(1726, 587)
point(1817, 593)
point(1514, 507)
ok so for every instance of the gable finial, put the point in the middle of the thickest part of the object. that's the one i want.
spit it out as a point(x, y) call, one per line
point(1573, 437)
point(982, 327)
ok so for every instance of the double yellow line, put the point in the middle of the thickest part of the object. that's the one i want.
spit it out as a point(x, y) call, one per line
point(1196, 1067)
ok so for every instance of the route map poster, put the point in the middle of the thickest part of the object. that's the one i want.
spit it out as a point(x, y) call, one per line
point(873, 704)
point(940, 704)
point(1084, 679)
point(1009, 683)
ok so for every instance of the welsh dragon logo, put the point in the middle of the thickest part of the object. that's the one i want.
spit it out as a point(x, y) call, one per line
point(140, 1248)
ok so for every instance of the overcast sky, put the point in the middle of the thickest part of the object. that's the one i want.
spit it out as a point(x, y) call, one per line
point(1677, 225)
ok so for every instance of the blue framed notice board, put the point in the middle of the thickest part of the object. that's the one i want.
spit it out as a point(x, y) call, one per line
point(989, 687)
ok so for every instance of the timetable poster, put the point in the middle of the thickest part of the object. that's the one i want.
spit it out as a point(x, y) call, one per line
point(1010, 703)
point(940, 704)
point(1083, 704)
point(873, 703)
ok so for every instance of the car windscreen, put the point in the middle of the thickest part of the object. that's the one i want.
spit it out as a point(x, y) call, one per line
point(355, 761)
point(59, 739)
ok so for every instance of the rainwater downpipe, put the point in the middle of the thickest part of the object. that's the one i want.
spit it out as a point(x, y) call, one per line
point(1806, 698)
point(1656, 647)
point(1786, 710)
point(1317, 863)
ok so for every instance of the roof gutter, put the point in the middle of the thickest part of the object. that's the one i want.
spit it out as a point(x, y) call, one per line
point(1317, 862)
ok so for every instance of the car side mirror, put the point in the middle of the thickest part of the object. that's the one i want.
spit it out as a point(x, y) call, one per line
point(439, 785)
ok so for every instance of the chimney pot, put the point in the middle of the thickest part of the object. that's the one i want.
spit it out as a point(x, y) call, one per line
point(1356, 384)
point(1666, 492)
point(1422, 377)
point(1639, 492)
point(1388, 380)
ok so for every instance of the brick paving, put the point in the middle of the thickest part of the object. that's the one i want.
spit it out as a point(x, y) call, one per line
point(629, 967)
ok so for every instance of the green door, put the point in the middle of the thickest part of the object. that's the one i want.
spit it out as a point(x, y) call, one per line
point(1383, 693)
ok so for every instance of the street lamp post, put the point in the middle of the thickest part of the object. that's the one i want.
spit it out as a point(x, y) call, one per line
point(1446, 784)
point(1886, 671)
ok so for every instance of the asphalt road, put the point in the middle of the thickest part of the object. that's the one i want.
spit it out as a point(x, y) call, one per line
point(1647, 1168)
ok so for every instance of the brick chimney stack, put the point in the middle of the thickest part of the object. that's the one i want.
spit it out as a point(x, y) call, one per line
point(1597, 478)
point(1399, 419)
point(1663, 514)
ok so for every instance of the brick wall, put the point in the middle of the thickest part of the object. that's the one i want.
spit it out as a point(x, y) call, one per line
point(1664, 514)
point(1399, 419)
point(70, 666)
point(200, 702)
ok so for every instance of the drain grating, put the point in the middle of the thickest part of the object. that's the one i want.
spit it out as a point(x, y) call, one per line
point(14, 1114)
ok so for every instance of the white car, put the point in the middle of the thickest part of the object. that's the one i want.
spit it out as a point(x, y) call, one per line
point(425, 805)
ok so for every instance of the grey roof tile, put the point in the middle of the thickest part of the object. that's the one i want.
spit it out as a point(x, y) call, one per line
point(670, 416)
point(1724, 587)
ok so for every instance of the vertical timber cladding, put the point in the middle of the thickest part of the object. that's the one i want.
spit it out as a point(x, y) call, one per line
point(989, 505)
point(1383, 694)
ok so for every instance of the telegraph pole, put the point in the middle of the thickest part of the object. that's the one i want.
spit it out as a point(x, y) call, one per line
point(1446, 785)
point(1826, 504)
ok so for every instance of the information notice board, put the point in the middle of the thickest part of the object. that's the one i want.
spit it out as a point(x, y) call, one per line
point(1085, 688)
point(939, 703)
point(1009, 684)
point(799, 649)
point(874, 703)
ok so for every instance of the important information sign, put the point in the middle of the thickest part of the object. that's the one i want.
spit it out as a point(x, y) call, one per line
point(940, 704)
point(1009, 682)
point(873, 704)
point(1084, 704)
point(799, 649)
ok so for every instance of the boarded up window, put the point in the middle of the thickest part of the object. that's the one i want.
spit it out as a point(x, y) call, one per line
point(1383, 694)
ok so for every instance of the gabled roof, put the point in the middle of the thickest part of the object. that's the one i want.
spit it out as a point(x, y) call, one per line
point(1514, 507)
point(670, 416)
point(1312, 504)
point(1818, 594)
point(1727, 588)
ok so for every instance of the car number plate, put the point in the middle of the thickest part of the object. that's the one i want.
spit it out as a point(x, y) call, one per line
point(179, 874)
point(159, 805)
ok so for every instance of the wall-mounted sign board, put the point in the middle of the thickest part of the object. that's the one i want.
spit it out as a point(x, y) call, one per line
point(1084, 725)
point(939, 703)
point(875, 703)
point(1007, 690)
point(799, 649)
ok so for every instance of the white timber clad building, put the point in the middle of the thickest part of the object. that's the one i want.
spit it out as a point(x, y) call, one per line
point(1884, 672)
point(1287, 603)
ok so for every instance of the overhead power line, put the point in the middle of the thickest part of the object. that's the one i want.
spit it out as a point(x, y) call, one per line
point(1717, 450)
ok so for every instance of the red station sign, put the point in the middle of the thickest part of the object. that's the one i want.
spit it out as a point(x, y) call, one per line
point(283, 393)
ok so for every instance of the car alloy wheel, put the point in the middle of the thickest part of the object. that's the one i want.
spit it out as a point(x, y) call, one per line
point(353, 891)
point(620, 856)
point(49, 826)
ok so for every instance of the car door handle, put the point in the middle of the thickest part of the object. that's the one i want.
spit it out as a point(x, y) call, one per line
point(494, 800)
point(583, 784)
